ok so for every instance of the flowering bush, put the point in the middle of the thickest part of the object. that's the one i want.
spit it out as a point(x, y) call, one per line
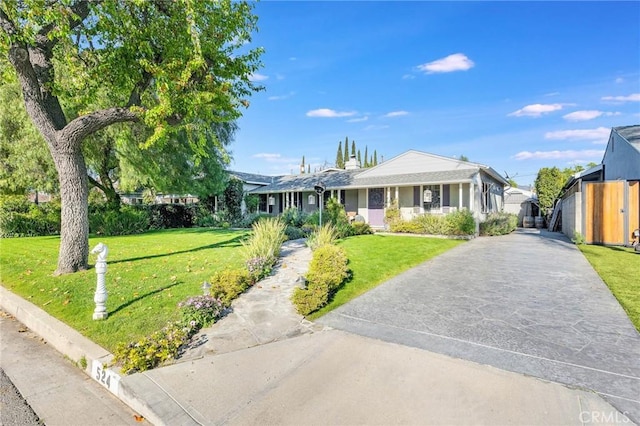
point(258, 267)
point(200, 311)
point(153, 350)
point(229, 284)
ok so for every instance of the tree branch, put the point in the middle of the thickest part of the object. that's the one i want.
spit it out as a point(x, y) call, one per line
point(85, 125)
point(95, 183)
point(141, 86)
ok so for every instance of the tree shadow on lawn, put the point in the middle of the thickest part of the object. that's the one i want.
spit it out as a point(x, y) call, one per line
point(234, 242)
point(137, 299)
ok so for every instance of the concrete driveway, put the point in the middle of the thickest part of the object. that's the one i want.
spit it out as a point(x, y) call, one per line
point(528, 302)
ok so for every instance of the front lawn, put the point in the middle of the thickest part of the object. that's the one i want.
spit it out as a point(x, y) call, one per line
point(147, 276)
point(619, 268)
point(374, 259)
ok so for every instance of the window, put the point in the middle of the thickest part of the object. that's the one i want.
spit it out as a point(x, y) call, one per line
point(431, 198)
point(486, 197)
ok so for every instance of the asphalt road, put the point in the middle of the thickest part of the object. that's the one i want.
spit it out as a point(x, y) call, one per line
point(14, 410)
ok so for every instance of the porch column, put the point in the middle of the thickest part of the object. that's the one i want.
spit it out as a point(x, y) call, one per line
point(460, 196)
point(388, 196)
point(397, 198)
point(421, 199)
point(471, 206)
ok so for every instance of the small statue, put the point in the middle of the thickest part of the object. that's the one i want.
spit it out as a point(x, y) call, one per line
point(102, 252)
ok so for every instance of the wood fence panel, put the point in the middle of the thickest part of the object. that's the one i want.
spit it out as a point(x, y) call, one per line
point(604, 218)
point(634, 207)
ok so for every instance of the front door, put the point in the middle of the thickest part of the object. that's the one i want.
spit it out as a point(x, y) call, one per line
point(376, 207)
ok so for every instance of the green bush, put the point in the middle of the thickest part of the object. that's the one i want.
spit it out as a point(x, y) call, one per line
point(327, 234)
point(249, 219)
point(153, 350)
point(361, 228)
point(228, 284)
point(407, 226)
point(461, 222)
point(294, 233)
point(499, 224)
point(294, 217)
point(21, 218)
point(265, 241)
point(127, 221)
point(327, 271)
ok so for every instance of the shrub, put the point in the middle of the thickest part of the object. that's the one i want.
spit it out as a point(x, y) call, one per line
point(433, 224)
point(327, 234)
point(461, 222)
point(258, 268)
point(499, 224)
point(168, 216)
point(249, 219)
point(200, 311)
point(128, 220)
point(361, 228)
point(293, 233)
point(392, 214)
point(268, 235)
point(153, 350)
point(228, 284)
point(327, 271)
point(294, 217)
point(578, 239)
point(21, 218)
point(407, 226)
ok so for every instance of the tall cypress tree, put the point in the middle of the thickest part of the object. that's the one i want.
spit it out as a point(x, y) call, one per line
point(302, 166)
point(359, 159)
point(353, 148)
point(346, 150)
point(375, 157)
point(366, 157)
point(308, 168)
point(339, 157)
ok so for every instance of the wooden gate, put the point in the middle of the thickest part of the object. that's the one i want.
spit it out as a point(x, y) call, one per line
point(612, 211)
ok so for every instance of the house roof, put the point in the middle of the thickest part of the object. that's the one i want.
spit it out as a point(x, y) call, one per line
point(332, 179)
point(631, 134)
point(254, 178)
point(445, 176)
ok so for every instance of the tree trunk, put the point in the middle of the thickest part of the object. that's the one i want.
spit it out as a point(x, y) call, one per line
point(74, 226)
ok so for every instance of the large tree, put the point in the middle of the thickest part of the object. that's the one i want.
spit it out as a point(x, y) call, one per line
point(548, 184)
point(175, 66)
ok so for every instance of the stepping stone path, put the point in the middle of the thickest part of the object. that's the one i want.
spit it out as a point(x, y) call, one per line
point(263, 314)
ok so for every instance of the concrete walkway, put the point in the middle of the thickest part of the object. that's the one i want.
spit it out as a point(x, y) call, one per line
point(528, 302)
point(263, 314)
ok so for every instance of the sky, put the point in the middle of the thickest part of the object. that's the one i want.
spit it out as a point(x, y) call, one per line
point(516, 86)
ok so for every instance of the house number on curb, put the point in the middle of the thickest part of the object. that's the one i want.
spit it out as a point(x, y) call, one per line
point(105, 377)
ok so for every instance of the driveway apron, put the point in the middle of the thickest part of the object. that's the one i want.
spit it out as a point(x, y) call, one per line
point(527, 302)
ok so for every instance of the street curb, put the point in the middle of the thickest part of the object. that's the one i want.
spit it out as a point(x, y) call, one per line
point(73, 345)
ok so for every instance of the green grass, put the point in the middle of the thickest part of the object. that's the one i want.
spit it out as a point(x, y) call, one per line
point(374, 259)
point(619, 268)
point(147, 276)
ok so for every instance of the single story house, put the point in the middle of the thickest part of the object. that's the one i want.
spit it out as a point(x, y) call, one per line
point(603, 203)
point(418, 182)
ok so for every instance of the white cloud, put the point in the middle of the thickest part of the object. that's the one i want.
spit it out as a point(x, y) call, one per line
point(267, 156)
point(634, 97)
point(258, 77)
point(395, 114)
point(587, 115)
point(598, 135)
point(408, 77)
point(535, 110)
point(281, 97)
point(358, 120)
point(329, 113)
point(451, 63)
point(559, 155)
point(619, 80)
point(375, 127)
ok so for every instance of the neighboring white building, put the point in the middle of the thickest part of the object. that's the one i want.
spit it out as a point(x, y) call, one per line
point(520, 202)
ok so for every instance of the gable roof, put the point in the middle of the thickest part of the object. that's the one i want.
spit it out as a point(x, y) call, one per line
point(631, 134)
point(413, 161)
point(253, 178)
